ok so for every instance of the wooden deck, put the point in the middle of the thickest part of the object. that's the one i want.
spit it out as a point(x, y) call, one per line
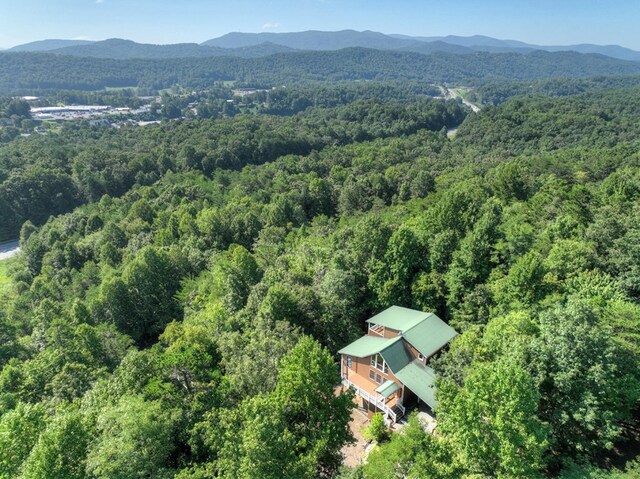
point(370, 386)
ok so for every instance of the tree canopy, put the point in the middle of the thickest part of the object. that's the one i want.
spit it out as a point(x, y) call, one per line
point(182, 289)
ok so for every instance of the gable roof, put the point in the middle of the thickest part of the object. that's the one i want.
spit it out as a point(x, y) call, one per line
point(420, 380)
point(429, 335)
point(393, 350)
point(424, 331)
point(399, 318)
point(368, 346)
point(396, 355)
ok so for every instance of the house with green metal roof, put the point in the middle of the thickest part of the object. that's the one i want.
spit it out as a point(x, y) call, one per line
point(387, 368)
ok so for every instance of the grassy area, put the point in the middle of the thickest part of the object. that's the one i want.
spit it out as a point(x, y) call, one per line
point(462, 91)
point(52, 126)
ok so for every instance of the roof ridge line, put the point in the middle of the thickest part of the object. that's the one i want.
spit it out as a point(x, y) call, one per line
point(392, 341)
point(402, 333)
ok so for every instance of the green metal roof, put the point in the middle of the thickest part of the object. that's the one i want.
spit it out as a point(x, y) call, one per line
point(420, 380)
point(387, 388)
point(396, 356)
point(429, 335)
point(368, 345)
point(399, 318)
point(424, 331)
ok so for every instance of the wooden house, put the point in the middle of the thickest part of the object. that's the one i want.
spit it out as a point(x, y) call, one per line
point(387, 368)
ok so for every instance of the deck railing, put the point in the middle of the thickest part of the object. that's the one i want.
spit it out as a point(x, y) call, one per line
point(377, 329)
point(377, 401)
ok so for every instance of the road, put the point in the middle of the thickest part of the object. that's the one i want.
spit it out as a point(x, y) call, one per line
point(9, 249)
point(454, 93)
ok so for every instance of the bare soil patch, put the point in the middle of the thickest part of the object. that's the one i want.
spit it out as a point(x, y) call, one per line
point(354, 453)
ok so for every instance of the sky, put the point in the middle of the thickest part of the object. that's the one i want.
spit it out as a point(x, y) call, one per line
point(548, 22)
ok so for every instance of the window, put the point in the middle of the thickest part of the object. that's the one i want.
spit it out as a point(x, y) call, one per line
point(375, 376)
point(349, 362)
point(420, 356)
point(379, 363)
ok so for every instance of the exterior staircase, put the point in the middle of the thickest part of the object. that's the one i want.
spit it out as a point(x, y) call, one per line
point(394, 413)
point(398, 413)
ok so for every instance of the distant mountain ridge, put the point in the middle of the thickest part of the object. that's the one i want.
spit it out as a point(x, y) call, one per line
point(484, 43)
point(48, 45)
point(317, 40)
point(119, 49)
point(471, 41)
point(311, 40)
point(251, 45)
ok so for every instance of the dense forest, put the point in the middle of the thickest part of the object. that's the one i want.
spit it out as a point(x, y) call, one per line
point(49, 175)
point(30, 73)
point(183, 288)
point(492, 91)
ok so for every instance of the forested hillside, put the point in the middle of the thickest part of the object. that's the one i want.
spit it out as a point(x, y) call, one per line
point(33, 72)
point(495, 91)
point(53, 174)
point(179, 314)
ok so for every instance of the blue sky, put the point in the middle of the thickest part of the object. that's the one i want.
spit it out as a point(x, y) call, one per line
point(172, 21)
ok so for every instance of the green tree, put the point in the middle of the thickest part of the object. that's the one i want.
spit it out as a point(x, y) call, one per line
point(392, 277)
point(250, 359)
point(135, 439)
point(472, 263)
point(60, 451)
point(569, 257)
point(34, 193)
point(585, 393)
point(491, 421)
point(297, 430)
point(20, 429)
point(524, 285)
point(142, 302)
point(19, 108)
point(377, 429)
point(414, 452)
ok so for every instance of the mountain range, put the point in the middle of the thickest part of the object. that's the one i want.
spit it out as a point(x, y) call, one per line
point(250, 45)
point(120, 49)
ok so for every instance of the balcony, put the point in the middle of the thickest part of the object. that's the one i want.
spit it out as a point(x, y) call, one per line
point(376, 329)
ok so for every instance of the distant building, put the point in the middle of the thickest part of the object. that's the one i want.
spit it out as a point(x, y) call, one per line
point(70, 109)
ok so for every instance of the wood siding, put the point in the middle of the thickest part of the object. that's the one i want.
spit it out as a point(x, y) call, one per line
point(388, 333)
point(359, 374)
point(360, 368)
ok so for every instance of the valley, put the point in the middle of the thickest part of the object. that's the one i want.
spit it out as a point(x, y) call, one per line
point(318, 254)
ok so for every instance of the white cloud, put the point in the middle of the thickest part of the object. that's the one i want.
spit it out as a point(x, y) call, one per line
point(270, 26)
